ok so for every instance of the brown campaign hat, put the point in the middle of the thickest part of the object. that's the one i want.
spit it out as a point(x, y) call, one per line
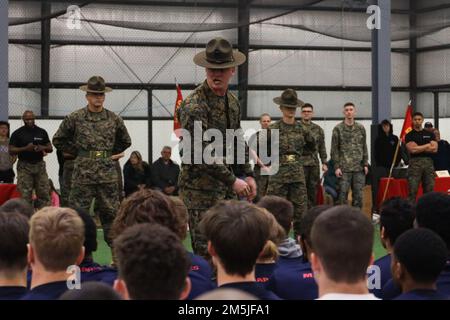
point(96, 84)
point(219, 54)
point(289, 99)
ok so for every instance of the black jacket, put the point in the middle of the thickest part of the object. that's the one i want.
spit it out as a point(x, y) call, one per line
point(133, 177)
point(165, 175)
point(385, 148)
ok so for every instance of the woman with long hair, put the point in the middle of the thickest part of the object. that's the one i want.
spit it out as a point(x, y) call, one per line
point(136, 174)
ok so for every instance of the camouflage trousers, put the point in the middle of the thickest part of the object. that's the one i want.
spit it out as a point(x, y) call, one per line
point(66, 182)
point(355, 181)
point(420, 170)
point(33, 176)
point(312, 179)
point(295, 192)
point(262, 181)
point(197, 203)
point(107, 203)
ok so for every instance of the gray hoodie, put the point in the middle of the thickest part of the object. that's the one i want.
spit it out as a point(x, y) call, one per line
point(289, 249)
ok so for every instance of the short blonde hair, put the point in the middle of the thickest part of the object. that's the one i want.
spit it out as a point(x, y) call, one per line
point(57, 236)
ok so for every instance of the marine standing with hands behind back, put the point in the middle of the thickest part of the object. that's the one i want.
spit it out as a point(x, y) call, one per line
point(94, 134)
point(289, 181)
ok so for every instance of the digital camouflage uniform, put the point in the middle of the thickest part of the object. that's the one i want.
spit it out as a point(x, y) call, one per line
point(202, 185)
point(349, 153)
point(94, 138)
point(33, 176)
point(66, 182)
point(262, 181)
point(311, 165)
point(289, 181)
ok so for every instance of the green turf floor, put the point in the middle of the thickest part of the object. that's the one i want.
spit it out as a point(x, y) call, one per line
point(103, 253)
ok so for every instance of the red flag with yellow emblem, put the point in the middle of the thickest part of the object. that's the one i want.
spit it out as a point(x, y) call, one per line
point(407, 123)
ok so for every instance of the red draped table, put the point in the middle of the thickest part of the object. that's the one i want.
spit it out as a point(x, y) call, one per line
point(8, 191)
point(399, 188)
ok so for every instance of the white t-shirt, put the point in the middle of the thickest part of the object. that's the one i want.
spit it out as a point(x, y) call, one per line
point(347, 296)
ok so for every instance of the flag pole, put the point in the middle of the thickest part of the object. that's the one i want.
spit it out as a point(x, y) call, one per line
point(390, 171)
point(393, 162)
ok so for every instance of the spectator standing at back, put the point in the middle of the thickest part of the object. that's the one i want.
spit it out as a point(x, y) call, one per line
point(441, 159)
point(6, 160)
point(421, 144)
point(385, 146)
point(30, 142)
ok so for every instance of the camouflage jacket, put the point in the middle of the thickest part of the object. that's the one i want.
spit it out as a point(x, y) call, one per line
point(210, 111)
point(293, 138)
point(349, 147)
point(309, 157)
point(88, 131)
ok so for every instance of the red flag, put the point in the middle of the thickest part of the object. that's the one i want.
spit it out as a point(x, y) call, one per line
point(176, 123)
point(407, 123)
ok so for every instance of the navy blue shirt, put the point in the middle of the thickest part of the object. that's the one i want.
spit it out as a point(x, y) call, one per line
point(48, 291)
point(200, 276)
point(200, 265)
point(391, 290)
point(293, 279)
point(422, 294)
point(254, 288)
point(92, 271)
point(263, 272)
point(12, 293)
point(199, 285)
point(384, 263)
point(443, 282)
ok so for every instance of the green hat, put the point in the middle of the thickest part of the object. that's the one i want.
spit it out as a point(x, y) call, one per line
point(289, 99)
point(219, 54)
point(96, 84)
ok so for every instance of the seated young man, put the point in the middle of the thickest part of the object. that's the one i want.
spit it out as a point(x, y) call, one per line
point(150, 206)
point(419, 257)
point(295, 280)
point(433, 212)
point(153, 264)
point(283, 211)
point(18, 205)
point(342, 240)
point(56, 242)
point(237, 232)
point(90, 270)
point(13, 255)
point(396, 216)
point(92, 291)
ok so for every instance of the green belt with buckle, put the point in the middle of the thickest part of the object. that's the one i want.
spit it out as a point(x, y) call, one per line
point(289, 158)
point(94, 154)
